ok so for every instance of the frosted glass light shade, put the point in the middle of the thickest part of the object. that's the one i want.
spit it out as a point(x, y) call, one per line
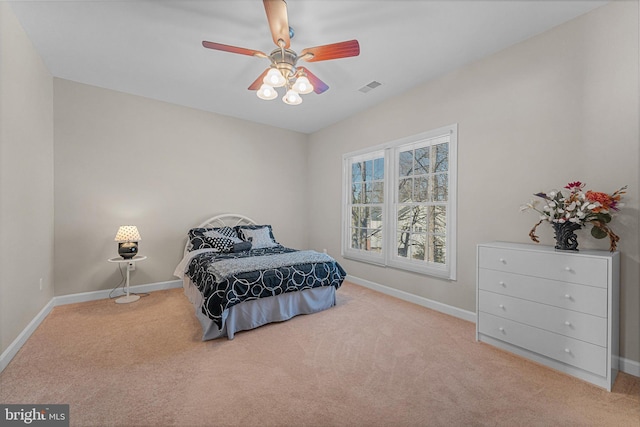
point(128, 233)
point(292, 97)
point(266, 92)
point(274, 78)
point(303, 85)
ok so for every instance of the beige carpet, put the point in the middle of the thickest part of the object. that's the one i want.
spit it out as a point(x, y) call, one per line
point(370, 361)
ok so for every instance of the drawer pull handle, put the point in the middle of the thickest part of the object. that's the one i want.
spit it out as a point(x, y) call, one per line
point(501, 283)
point(502, 260)
point(501, 329)
point(567, 323)
point(566, 350)
point(501, 306)
point(567, 296)
point(567, 268)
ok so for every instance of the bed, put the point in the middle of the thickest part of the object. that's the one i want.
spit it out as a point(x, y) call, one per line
point(238, 277)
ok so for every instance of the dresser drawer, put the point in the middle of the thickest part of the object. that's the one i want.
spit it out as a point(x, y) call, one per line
point(549, 265)
point(580, 354)
point(585, 299)
point(565, 322)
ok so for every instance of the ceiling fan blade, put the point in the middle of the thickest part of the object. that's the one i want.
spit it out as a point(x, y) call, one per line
point(256, 85)
point(278, 21)
point(233, 49)
point(318, 85)
point(331, 51)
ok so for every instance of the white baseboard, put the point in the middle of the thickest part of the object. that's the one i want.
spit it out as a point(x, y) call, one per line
point(627, 366)
point(425, 302)
point(13, 348)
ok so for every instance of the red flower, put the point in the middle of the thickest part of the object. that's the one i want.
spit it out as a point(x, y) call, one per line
point(604, 199)
point(577, 185)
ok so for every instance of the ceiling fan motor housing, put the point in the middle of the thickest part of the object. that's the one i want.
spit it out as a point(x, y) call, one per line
point(285, 61)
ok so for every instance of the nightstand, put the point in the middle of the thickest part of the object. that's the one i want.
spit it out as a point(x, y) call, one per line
point(131, 265)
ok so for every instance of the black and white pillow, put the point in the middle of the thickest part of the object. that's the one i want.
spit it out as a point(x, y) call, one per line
point(219, 239)
point(260, 236)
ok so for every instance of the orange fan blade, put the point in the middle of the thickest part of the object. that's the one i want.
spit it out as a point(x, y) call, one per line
point(256, 85)
point(278, 21)
point(233, 49)
point(332, 51)
point(318, 85)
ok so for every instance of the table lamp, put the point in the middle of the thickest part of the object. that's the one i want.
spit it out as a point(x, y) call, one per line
point(128, 238)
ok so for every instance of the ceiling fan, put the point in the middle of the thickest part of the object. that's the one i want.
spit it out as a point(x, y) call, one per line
point(284, 71)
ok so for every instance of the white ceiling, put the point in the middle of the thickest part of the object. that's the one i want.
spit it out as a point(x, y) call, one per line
point(153, 48)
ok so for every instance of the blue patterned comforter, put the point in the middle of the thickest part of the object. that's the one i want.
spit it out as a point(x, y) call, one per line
point(230, 290)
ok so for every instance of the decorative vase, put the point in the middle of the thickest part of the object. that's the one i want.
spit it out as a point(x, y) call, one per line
point(566, 239)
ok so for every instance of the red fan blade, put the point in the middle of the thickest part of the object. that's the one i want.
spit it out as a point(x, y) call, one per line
point(256, 85)
point(233, 49)
point(318, 85)
point(278, 21)
point(331, 51)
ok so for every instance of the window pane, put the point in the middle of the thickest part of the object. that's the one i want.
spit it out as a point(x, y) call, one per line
point(405, 218)
point(405, 189)
point(355, 216)
point(421, 189)
point(377, 192)
point(356, 172)
point(418, 246)
point(440, 187)
point(439, 215)
point(403, 239)
point(442, 158)
point(419, 218)
point(422, 160)
point(356, 193)
point(374, 240)
point(376, 217)
point(437, 249)
point(406, 163)
point(368, 170)
point(355, 238)
point(378, 168)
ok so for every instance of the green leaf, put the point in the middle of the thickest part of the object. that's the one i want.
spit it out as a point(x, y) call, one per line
point(598, 233)
point(604, 217)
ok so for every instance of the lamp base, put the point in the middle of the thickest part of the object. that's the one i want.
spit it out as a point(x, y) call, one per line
point(128, 250)
point(127, 299)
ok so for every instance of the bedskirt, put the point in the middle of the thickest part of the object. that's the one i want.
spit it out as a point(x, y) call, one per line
point(252, 314)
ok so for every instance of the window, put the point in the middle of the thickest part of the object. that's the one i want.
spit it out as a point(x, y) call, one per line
point(399, 204)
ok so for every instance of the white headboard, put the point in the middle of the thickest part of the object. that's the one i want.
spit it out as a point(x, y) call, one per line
point(223, 220)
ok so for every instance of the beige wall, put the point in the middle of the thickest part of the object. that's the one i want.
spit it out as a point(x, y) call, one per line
point(26, 180)
point(125, 160)
point(560, 107)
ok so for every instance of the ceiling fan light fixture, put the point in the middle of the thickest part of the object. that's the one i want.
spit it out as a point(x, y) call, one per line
point(292, 97)
point(266, 92)
point(274, 78)
point(303, 85)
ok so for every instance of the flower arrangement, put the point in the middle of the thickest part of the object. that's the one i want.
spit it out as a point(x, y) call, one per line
point(575, 206)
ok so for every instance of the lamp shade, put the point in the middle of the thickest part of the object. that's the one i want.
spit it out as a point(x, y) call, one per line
point(267, 93)
point(292, 97)
point(274, 78)
point(303, 85)
point(128, 233)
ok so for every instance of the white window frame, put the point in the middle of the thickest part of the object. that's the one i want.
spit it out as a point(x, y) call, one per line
point(389, 257)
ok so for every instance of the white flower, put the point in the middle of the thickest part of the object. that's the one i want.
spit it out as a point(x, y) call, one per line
point(572, 206)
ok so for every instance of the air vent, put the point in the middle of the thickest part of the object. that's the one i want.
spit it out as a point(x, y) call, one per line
point(374, 84)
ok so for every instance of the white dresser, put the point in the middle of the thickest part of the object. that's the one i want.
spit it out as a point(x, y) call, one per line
point(556, 308)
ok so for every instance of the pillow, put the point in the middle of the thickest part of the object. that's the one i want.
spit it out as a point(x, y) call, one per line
point(260, 236)
point(242, 246)
point(218, 239)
